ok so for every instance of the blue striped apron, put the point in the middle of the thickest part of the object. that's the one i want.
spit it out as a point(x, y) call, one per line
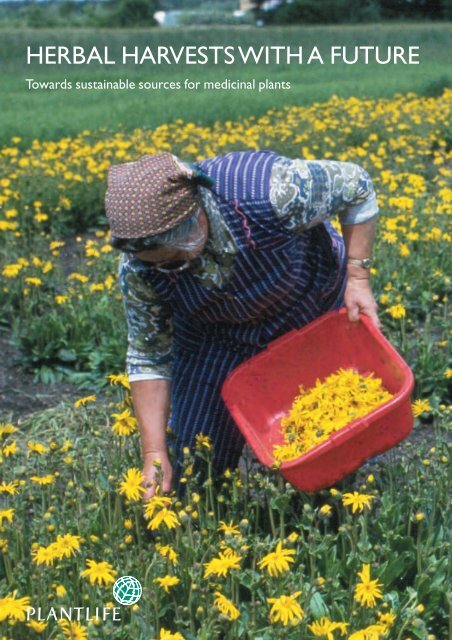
point(279, 281)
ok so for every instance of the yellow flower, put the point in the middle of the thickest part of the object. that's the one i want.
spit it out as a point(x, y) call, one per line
point(6, 514)
point(220, 566)
point(119, 379)
point(434, 234)
point(67, 444)
point(7, 226)
point(131, 486)
point(325, 510)
point(166, 582)
point(404, 250)
point(397, 311)
point(386, 619)
point(367, 591)
point(125, 423)
point(372, 632)
point(226, 607)
point(278, 561)
point(164, 517)
point(9, 487)
point(169, 553)
point(78, 276)
point(316, 413)
point(38, 627)
point(82, 401)
point(7, 429)
point(36, 282)
point(12, 608)
point(37, 447)
point(43, 480)
point(11, 270)
point(60, 591)
point(325, 628)
point(66, 546)
point(420, 406)
point(169, 635)
point(203, 441)
point(390, 237)
point(10, 449)
point(99, 572)
point(230, 528)
point(357, 500)
point(73, 630)
point(45, 555)
point(56, 244)
point(402, 203)
point(63, 547)
point(96, 287)
point(286, 609)
point(65, 202)
point(155, 503)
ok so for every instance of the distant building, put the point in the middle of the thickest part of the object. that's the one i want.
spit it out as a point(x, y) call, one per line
point(168, 18)
point(248, 5)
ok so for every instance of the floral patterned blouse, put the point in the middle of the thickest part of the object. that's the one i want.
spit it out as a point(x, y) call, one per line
point(303, 193)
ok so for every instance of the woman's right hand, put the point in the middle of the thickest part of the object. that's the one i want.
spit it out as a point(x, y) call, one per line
point(156, 466)
point(151, 403)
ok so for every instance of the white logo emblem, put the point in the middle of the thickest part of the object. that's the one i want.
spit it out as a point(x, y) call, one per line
point(127, 590)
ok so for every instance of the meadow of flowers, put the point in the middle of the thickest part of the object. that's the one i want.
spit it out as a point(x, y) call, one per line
point(245, 555)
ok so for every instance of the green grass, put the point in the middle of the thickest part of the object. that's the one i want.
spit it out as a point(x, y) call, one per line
point(45, 114)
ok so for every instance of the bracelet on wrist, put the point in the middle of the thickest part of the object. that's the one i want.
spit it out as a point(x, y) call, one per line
point(365, 263)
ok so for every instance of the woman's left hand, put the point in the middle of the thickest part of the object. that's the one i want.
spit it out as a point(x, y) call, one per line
point(358, 298)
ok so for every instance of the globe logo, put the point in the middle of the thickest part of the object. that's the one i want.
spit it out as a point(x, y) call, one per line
point(127, 590)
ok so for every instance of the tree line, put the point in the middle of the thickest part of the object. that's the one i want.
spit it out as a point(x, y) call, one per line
point(130, 13)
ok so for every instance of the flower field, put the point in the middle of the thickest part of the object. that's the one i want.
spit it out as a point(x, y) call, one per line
point(245, 555)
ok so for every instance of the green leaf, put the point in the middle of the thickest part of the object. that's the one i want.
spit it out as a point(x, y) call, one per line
point(397, 567)
point(66, 355)
point(418, 629)
point(318, 606)
point(102, 481)
point(250, 578)
point(46, 375)
point(393, 598)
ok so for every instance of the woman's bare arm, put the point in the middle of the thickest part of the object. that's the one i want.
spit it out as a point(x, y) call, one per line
point(151, 401)
point(358, 298)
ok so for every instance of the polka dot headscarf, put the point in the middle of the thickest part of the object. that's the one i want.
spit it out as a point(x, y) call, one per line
point(151, 195)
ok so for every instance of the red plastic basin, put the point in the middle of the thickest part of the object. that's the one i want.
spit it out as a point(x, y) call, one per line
point(260, 392)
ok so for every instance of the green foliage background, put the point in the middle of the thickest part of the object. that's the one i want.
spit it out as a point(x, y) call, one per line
point(27, 112)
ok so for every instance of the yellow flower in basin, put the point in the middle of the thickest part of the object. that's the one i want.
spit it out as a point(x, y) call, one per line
point(328, 406)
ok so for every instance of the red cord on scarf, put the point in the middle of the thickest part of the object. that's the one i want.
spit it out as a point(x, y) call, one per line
point(249, 239)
